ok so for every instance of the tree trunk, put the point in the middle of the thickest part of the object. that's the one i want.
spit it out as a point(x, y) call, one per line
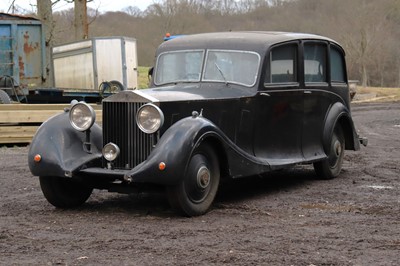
point(45, 14)
point(364, 75)
point(80, 20)
point(398, 81)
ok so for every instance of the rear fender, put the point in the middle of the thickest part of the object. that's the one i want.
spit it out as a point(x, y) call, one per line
point(340, 115)
point(62, 148)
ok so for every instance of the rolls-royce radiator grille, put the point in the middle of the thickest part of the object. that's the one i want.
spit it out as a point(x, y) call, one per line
point(119, 127)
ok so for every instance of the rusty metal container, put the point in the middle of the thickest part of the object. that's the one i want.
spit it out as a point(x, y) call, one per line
point(22, 50)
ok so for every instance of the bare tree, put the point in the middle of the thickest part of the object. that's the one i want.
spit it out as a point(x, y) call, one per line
point(134, 11)
point(369, 30)
point(45, 14)
point(80, 20)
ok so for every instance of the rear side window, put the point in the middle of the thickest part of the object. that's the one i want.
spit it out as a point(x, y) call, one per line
point(337, 66)
point(283, 64)
point(315, 62)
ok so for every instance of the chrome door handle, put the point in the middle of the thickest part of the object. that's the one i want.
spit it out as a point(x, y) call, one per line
point(307, 92)
point(264, 94)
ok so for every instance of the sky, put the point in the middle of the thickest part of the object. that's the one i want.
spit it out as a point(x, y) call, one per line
point(102, 5)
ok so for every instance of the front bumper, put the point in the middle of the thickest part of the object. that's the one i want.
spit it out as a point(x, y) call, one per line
point(102, 172)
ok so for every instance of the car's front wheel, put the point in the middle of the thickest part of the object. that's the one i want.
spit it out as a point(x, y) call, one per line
point(331, 167)
point(64, 192)
point(194, 195)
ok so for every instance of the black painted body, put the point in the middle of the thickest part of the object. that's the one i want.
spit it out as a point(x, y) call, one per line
point(252, 129)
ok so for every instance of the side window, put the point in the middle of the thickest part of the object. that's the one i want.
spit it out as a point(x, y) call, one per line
point(283, 64)
point(337, 66)
point(314, 62)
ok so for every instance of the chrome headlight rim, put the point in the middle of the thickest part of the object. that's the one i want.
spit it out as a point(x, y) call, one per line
point(157, 125)
point(106, 151)
point(73, 120)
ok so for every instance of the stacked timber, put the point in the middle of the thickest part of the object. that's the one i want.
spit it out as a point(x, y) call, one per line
point(19, 122)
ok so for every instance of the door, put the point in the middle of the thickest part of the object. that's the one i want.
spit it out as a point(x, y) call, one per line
point(318, 97)
point(29, 54)
point(278, 132)
point(6, 55)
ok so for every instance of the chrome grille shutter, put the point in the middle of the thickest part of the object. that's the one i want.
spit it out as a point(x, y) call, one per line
point(119, 127)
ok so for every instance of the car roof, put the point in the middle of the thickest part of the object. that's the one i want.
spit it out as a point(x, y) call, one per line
point(241, 40)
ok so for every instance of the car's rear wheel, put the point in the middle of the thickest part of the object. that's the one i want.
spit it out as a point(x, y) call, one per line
point(331, 167)
point(64, 192)
point(194, 195)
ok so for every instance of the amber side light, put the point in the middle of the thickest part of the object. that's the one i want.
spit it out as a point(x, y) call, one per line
point(161, 166)
point(37, 158)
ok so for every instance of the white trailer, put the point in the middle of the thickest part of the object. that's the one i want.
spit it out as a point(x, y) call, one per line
point(84, 65)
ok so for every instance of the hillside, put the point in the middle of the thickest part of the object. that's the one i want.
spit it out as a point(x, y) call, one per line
point(368, 30)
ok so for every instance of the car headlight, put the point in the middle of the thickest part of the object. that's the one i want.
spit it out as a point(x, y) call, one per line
point(149, 118)
point(82, 116)
point(110, 151)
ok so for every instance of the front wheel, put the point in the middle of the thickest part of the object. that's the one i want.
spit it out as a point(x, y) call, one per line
point(64, 192)
point(194, 195)
point(331, 167)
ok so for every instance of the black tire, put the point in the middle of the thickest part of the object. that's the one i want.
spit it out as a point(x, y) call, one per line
point(4, 98)
point(194, 195)
point(64, 192)
point(331, 167)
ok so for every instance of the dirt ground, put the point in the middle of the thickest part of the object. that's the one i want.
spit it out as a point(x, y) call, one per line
point(288, 218)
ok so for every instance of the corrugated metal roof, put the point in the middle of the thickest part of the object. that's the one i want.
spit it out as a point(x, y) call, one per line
point(7, 16)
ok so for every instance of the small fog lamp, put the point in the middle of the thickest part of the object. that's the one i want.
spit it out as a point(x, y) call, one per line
point(110, 151)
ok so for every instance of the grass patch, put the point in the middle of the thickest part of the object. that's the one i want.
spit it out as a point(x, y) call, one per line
point(143, 80)
point(381, 94)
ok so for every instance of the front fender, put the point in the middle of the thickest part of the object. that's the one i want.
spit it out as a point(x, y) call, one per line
point(61, 148)
point(174, 149)
point(177, 145)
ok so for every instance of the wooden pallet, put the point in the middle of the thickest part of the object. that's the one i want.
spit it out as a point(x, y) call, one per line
point(19, 122)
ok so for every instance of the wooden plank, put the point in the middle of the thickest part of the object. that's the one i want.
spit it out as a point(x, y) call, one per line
point(17, 134)
point(33, 116)
point(11, 115)
point(21, 107)
point(12, 140)
point(21, 130)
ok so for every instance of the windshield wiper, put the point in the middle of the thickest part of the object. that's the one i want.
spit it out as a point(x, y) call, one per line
point(222, 73)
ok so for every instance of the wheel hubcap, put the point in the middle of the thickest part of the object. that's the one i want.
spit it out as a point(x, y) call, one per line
point(337, 148)
point(203, 177)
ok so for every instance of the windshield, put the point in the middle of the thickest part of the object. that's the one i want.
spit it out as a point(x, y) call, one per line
point(240, 67)
point(179, 66)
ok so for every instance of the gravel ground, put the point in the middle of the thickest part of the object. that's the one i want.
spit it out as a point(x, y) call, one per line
point(286, 218)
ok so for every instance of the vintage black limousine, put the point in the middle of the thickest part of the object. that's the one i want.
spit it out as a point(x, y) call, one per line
point(220, 105)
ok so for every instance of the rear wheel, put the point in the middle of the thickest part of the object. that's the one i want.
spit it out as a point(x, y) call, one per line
point(195, 194)
point(64, 192)
point(331, 167)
